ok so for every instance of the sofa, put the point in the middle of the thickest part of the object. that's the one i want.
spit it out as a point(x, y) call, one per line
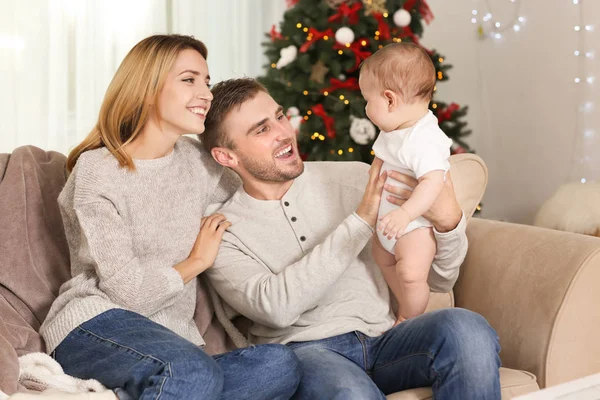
point(536, 287)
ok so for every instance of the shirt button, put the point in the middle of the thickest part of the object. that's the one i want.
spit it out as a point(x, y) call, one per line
point(302, 238)
point(286, 204)
point(294, 219)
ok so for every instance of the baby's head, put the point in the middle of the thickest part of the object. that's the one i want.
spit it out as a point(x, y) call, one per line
point(395, 81)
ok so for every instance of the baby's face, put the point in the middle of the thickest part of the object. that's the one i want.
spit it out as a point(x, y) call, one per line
point(378, 108)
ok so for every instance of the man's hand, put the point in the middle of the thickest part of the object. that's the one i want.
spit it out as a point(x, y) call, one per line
point(369, 206)
point(394, 223)
point(444, 214)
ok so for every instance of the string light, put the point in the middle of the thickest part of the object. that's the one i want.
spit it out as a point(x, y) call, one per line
point(488, 27)
point(584, 136)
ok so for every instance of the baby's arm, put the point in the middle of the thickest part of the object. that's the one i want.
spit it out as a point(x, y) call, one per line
point(394, 223)
point(429, 187)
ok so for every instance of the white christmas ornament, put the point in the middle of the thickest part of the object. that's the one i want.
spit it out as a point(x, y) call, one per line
point(287, 55)
point(402, 18)
point(362, 131)
point(344, 35)
point(342, 77)
point(292, 112)
point(293, 115)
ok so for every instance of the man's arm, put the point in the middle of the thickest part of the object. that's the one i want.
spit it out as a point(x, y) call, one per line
point(278, 300)
point(451, 252)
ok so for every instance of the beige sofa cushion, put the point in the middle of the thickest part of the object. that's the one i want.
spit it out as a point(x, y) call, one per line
point(512, 381)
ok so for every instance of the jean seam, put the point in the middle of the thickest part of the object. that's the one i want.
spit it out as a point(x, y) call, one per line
point(436, 382)
point(364, 348)
point(164, 379)
point(142, 355)
point(426, 353)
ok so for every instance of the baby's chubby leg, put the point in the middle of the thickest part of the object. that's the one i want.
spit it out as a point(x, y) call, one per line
point(414, 254)
point(387, 264)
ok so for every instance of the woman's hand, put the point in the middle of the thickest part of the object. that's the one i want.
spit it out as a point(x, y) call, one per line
point(207, 243)
point(444, 214)
point(206, 247)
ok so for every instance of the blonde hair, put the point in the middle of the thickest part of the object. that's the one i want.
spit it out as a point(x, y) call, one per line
point(136, 84)
point(404, 68)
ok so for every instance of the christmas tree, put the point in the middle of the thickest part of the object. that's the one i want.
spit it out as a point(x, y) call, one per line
point(314, 60)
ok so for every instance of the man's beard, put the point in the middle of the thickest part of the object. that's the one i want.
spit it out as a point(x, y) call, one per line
point(268, 172)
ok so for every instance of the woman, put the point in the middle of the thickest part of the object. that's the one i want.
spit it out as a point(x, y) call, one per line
point(132, 210)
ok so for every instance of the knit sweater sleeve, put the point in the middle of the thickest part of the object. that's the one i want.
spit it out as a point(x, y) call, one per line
point(451, 252)
point(106, 242)
point(278, 299)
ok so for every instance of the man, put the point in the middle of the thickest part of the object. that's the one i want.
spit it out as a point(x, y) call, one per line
point(297, 262)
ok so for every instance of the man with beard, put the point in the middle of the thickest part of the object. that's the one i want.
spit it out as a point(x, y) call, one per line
point(297, 262)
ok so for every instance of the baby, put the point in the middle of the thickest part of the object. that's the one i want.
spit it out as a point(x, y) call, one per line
point(398, 82)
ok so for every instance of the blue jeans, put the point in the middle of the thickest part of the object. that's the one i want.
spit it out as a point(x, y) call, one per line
point(454, 351)
point(141, 359)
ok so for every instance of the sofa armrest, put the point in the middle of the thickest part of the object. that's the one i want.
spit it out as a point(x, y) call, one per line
point(539, 289)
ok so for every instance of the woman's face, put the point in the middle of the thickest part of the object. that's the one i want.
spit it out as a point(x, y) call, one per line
point(185, 97)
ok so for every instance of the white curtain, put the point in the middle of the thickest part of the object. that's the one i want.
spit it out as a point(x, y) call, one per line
point(58, 56)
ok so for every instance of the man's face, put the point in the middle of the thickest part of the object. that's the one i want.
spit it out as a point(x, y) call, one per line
point(264, 141)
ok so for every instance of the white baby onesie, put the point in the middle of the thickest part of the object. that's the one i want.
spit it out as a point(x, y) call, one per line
point(414, 151)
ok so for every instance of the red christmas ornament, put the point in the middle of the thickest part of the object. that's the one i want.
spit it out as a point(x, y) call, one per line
point(356, 48)
point(407, 32)
point(350, 12)
point(423, 9)
point(319, 111)
point(383, 27)
point(291, 3)
point(446, 113)
point(336, 84)
point(274, 34)
point(315, 35)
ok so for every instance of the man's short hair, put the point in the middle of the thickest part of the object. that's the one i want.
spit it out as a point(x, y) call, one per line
point(404, 68)
point(227, 95)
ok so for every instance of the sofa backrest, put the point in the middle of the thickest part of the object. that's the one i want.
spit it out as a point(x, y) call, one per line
point(34, 259)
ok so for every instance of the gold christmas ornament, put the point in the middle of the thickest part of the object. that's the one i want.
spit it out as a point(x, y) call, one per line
point(319, 70)
point(374, 6)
